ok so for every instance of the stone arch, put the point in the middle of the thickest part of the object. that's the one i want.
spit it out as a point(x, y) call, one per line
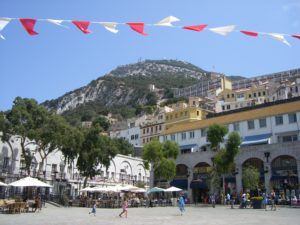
point(254, 162)
point(284, 172)
point(182, 170)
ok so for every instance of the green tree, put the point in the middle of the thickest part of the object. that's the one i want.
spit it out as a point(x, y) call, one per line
point(102, 122)
point(22, 123)
point(223, 160)
point(161, 157)
point(95, 150)
point(50, 136)
point(215, 135)
point(123, 146)
point(6, 137)
point(250, 178)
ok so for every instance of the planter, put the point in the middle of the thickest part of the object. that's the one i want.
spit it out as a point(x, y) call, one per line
point(257, 204)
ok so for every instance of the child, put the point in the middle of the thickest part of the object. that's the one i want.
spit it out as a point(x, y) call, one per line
point(124, 207)
point(94, 209)
point(181, 204)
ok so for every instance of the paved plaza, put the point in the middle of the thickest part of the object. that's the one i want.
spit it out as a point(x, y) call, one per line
point(157, 215)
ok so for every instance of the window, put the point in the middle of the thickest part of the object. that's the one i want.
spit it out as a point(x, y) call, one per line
point(250, 124)
point(197, 113)
point(292, 118)
point(278, 120)
point(259, 94)
point(183, 136)
point(147, 130)
point(172, 137)
point(254, 95)
point(136, 136)
point(203, 132)
point(228, 107)
point(264, 93)
point(132, 137)
point(236, 126)
point(232, 95)
point(144, 130)
point(262, 123)
point(250, 96)
point(167, 117)
point(223, 107)
point(159, 127)
point(288, 138)
point(192, 134)
point(228, 95)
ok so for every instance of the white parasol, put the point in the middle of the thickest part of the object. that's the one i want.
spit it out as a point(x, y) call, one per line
point(29, 182)
point(171, 189)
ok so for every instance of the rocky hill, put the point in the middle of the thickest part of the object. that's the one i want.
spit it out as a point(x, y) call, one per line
point(127, 87)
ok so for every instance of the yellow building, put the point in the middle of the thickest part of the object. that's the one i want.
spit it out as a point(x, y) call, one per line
point(230, 99)
point(185, 112)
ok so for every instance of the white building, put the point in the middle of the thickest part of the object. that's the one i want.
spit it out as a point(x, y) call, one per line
point(65, 178)
point(270, 142)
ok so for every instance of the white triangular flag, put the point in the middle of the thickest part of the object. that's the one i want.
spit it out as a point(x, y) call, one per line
point(57, 22)
point(3, 23)
point(279, 37)
point(110, 26)
point(167, 21)
point(223, 30)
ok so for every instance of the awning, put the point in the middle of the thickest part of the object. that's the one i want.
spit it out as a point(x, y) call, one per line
point(183, 147)
point(197, 184)
point(256, 139)
point(180, 183)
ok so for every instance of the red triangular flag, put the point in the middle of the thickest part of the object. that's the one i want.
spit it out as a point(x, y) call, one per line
point(28, 25)
point(249, 33)
point(197, 28)
point(82, 25)
point(296, 36)
point(138, 27)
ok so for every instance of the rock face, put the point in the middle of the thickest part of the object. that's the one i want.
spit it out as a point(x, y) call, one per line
point(131, 84)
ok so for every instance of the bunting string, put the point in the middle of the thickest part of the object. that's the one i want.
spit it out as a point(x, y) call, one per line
point(139, 27)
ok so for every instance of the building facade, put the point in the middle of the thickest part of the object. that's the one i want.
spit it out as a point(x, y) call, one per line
point(64, 177)
point(270, 142)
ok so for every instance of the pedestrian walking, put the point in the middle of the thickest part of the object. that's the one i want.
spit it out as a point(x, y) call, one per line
point(213, 200)
point(181, 204)
point(273, 200)
point(124, 207)
point(93, 209)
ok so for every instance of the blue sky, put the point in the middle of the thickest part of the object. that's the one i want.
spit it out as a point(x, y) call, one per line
point(59, 60)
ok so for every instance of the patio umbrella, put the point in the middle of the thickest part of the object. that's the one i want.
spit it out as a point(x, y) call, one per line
point(3, 184)
point(87, 189)
point(29, 182)
point(100, 189)
point(156, 189)
point(171, 189)
point(139, 190)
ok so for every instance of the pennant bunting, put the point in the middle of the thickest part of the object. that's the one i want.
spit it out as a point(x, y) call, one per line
point(28, 25)
point(82, 25)
point(167, 21)
point(3, 23)
point(57, 22)
point(138, 27)
point(197, 28)
point(249, 33)
point(223, 30)
point(296, 36)
point(279, 37)
point(110, 26)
